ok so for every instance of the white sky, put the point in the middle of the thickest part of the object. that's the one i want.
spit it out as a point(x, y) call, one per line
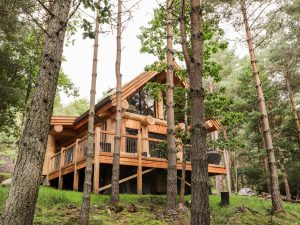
point(78, 64)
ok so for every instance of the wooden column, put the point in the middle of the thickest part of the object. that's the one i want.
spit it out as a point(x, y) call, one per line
point(50, 151)
point(140, 166)
point(145, 143)
point(97, 161)
point(76, 176)
point(62, 159)
point(123, 139)
point(160, 107)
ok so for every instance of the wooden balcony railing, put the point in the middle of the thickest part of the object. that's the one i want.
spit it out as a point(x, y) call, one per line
point(104, 142)
point(82, 145)
point(131, 143)
point(55, 162)
point(69, 154)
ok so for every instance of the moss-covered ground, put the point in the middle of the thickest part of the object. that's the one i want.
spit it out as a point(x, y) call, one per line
point(63, 208)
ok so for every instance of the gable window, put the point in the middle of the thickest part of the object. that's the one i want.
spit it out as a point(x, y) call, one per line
point(142, 103)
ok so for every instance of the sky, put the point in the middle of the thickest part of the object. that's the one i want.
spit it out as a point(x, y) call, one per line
point(78, 57)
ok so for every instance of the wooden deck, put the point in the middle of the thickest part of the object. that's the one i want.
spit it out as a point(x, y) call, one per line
point(72, 158)
point(132, 160)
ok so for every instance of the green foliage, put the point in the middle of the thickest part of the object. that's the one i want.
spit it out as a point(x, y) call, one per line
point(104, 9)
point(153, 38)
point(74, 108)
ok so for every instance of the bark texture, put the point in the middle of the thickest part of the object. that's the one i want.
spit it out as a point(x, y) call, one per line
point(227, 163)
point(199, 185)
point(20, 204)
point(285, 181)
point(183, 33)
point(85, 207)
point(171, 147)
point(275, 193)
point(183, 170)
point(117, 142)
point(293, 105)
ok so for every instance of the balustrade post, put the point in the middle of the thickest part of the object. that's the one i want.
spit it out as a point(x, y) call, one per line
point(97, 161)
point(140, 166)
point(62, 159)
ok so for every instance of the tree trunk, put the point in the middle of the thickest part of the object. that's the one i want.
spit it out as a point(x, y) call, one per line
point(117, 142)
point(293, 105)
point(199, 197)
point(266, 169)
point(234, 162)
point(260, 145)
point(183, 35)
point(276, 197)
point(171, 147)
point(219, 183)
point(285, 181)
point(85, 208)
point(183, 171)
point(227, 164)
point(20, 204)
point(284, 176)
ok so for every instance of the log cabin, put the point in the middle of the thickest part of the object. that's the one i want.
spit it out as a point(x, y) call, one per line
point(143, 169)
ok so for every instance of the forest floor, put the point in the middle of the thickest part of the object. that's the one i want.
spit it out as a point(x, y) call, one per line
point(63, 208)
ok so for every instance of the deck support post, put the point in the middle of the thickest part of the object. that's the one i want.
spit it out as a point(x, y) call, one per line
point(76, 176)
point(50, 151)
point(62, 159)
point(140, 167)
point(97, 161)
point(160, 106)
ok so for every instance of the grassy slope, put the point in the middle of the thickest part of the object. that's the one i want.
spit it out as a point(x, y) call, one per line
point(63, 207)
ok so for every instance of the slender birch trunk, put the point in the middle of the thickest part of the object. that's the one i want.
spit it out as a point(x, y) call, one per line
point(117, 141)
point(235, 172)
point(260, 145)
point(85, 208)
point(293, 105)
point(20, 205)
point(171, 147)
point(200, 203)
point(183, 35)
point(275, 193)
point(285, 180)
point(183, 170)
point(266, 169)
point(227, 163)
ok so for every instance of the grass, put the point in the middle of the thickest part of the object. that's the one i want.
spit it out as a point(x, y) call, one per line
point(63, 208)
point(5, 175)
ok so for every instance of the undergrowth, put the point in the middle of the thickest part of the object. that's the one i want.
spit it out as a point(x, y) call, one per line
point(63, 208)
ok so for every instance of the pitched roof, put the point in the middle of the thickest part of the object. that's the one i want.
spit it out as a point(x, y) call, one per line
point(110, 101)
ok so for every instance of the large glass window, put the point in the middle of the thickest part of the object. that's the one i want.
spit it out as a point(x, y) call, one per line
point(142, 103)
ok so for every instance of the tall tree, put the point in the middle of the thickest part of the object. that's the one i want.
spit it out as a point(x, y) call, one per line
point(20, 204)
point(85, 208)
point(184, 153)
point(117, 141)
point(171, 147)
point(199, 183)
point(292, 102)
point(276, 197)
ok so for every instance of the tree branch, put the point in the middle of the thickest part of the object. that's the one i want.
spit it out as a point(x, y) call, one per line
point(45, 7)
point(183, 34)
point(36, 22)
